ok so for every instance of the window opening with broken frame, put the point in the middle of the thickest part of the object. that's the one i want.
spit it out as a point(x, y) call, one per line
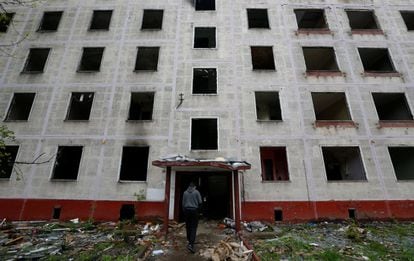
point(258, 18)
point(141, 107)
point(134, 164)
point(50, 21)
point(67, 163)
point(152, 19)
point(402, 159)
point(343, 163)
point(147, 59)
point(101, 20)
point(5, 21)
point(205, 5)
point(408, 18)
point(330, 106)
point(320, 59)
point(392, 107)
point(309, 19)
point(362, 20)
point(36, 60)
point(204, 134)
point(91, 59)
point(376, 60)
point(80, 106)
point(274, 164)
point(204, 81)
point(7, 159)
point(20, 107)
point(204, 37)
point(268, 106)
point(262, 58)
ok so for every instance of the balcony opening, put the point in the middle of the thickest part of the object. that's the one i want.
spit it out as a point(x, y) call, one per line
point(20, 107)
point(320, 59)
point(403, 162)
point(408, 17)
point(67, 163)
point(205, 5)
point(262, 58)
point(376, 60)
point(36, 60)
point(392, 107)
point(330, 106)
point(362, 20)
point(101, 20)
point(91, 59)
point(152, 19)
point(7, 159)
point(205, 37)
point(343, 163)
point(5, 21)
point(274, 164)
point(258, 18)
point(268, 106)
point(311, 19)
point(204, 134)
point(141, 107)
point(147, 59)
point(50, 21)
point(204, 81)
point(134, 165)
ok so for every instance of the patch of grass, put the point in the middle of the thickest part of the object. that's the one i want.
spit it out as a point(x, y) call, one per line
point(329, 255)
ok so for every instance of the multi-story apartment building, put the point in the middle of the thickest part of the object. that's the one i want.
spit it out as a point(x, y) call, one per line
point(279, 110)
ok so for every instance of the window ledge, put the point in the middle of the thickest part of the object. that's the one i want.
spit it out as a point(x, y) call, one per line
point(63, 180)
point(139, 121)
point(381, 74)
point(405, 181)
point(334, 123)
point(264, 70)
point(17, 121)
point(367, 31)
point(259, 28)
point(138, 71)
point(151, 29)
point(269, 121)
point(31, 72)
point(98, 30)
point(395, 124)
point(75, 120)
point(203, 150)
point(131, 181)
point(348, 181)
point(204, 94)
point(276, 181)
point(4, 179)
point(205, 48)
point(88, 71)
point(315, 73)
point(308, 31)
point(46, 31)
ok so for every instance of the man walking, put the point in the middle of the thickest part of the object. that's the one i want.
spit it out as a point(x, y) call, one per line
point(191, 204)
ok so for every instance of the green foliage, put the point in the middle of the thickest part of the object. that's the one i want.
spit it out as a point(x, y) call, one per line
point(6, 135)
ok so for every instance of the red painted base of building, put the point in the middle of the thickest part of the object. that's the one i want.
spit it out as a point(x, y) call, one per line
point(292, 211)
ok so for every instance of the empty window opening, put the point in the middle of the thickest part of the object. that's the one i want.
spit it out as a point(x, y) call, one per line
point(205, 5)
point(408, 17)
point(36, 60)
point(67, 163)
point(134, 163)
point(268, 106)
point(330, 106)
point(403, 162)
point(204, 80)
point(56, 212)
point(141, 107)
point(274, 164)
point(278, 215)
point(351, 213)
point(392, 106)
point(20, 107)
point(320, 59)
point(204, 134)
point(257, 18)
point(205, 37)
point(5, 21)
point(262, 58)
point(376, 60)
point(362, 19)
point(101, 20)
point(127, 212)
point(80, 106)
point(147, 59)
point(91, 59)
point(50, 21)
point(311, 19)
point(7, 158)
point(152, 19)
point(343, 163)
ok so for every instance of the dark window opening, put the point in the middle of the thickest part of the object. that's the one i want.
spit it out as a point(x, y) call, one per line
point(101, 20)
point(376, 60)
point(134, 164)
point(50, 21)
point(343, 163)
point(204, 80)
point(67, 163)
point(274, 164)
point(351, 213)
point(80, 106)
point(278, 215)
point(7, 158)
point(205, 37)
point(392, 106)
point(268, 106)
point(91, 59)
point(36, 60)
point(5, 21)
point(205, 5)
point(147, 59)
point(20, 107)
point(262, 58)
point(204, 134)
point(141, 107)
point(320, 59)
point(362, 20)
point(257, 18)
point(56, 212)
point(408, 17)
point(403, 162)
point(311, 19)
point(152, 19)
point(330, 106)
point(127, 212)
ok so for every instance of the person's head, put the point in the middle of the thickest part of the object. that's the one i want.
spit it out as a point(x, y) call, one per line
point(192, 185)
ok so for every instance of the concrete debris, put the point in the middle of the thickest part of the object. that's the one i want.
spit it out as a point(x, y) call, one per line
point(255, 226)
point(227, 250)
point(229, 222)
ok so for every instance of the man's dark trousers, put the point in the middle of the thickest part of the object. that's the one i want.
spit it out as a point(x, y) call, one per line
point(191, 223)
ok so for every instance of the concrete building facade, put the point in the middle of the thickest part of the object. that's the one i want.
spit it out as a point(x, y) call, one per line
point(322, 111)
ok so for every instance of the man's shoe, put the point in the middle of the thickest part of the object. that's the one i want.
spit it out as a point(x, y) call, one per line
point(190, 248)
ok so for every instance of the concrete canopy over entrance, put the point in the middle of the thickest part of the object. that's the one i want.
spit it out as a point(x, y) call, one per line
point(183, 163)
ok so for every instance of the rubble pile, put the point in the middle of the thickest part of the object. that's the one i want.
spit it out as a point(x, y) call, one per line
point(227, 250)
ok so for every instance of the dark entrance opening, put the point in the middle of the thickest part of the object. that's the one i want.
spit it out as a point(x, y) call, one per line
point(215, 189)
point(127, 212)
